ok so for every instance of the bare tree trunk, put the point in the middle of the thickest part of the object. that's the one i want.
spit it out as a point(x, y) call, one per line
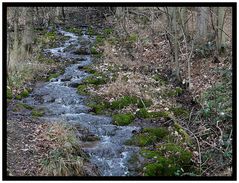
point(176, 44)
point(220, 41)
point(202, 20)
point(28, 33)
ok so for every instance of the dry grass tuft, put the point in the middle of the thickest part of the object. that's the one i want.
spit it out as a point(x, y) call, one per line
point(64, 157)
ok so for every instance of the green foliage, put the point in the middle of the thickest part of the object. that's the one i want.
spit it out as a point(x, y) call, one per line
point(124, 102)
point(89, 69)
point(148, 137)
point(96, 79)
point(51, 36)
point(22, 105)
point(23, 94)
point(42, 58)
point(108, 31)
point(173, 93)
point(144, 103)
point(82, 89)
point(37, 112)
point(54, 75)
point(128, 100)
point(143, 113)
point(91, 31)
point(123, 119)
point(178, 111)
point(9, 93)
point(132, 38)
point(177, 160)
point(75, 30)
point(182, 132)
point(163, 167)
point(160, 79)
point(217, 100)
point(99, 40)
point(94, 51)
point(98, 105)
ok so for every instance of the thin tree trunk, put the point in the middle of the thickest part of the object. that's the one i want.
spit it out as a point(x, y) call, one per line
point(220, 30)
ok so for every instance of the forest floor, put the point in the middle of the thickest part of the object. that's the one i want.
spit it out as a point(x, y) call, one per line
point(137, 65)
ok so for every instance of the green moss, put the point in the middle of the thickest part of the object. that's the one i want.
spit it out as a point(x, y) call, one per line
point(37, 112)
point(159, 79)
point(141, 140)
point(77, 31)
point(55, 75)
point(89, 69)
point(96, 79)
point(9, 93)
point(23, 94)
point(91, 31)
point(22, 105)
point(178, 154)
point(143, 113)
point(180, 112)
point(177, 160)
point(94, 51)
point(182, 132)
point(99, 40)
point(123, 102)
point(97, 104)
point(148, 137)
point(51, 36)
point(123, 119)
point(99, 108)
point(158, 132)
point(163, 167)
point(108, 31)
point(82, 89)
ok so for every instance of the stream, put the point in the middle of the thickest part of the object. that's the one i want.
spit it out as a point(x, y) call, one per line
point(61, 102)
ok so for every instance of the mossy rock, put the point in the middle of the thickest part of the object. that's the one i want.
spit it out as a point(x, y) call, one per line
point(96, 79)
point(177, 159)
point(89, 69)
point(124, 102)
point(37, 112)
point(123, 119)
point(23, 94)
point(9, 93)
point(158, 132)
point(99, 108)
point(54, 75)
point(82, 89)
point(178, 154)
point(97, 104)
point(163, 167)
point(148, 137)
point(143, 113)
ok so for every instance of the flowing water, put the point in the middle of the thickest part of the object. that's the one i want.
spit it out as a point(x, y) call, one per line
point(61, 102)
